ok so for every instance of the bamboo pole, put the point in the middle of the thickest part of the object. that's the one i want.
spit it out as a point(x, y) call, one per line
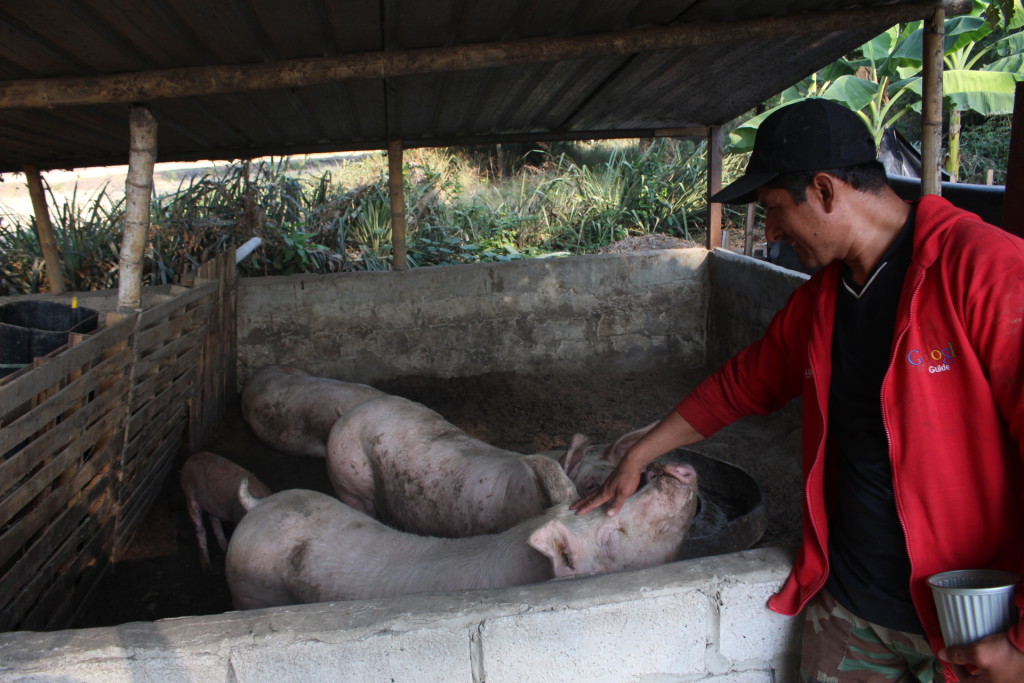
point(210, 80)
point(44, 230)
point(138, 189)
point(396, 188)
point(714, 237)
point(931, 105)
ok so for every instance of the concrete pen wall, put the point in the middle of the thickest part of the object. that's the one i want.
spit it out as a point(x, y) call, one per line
point(703, 619)
point(627, 311)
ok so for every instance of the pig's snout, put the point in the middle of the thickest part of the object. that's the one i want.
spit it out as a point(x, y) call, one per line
point(684, 474)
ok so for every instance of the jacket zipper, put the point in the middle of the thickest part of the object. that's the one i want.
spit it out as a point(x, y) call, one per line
point(888, 437)
point(807, 494)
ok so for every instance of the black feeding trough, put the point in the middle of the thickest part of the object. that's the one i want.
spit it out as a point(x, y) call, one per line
point(29, 329)
point(732, 515)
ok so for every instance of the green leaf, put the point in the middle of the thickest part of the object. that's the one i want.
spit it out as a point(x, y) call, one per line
point(908, 51)
point(1011, 44)
point(855, 93)
point(879, 47)
point(1013, 65)
point(963, 31)
point(985, 92)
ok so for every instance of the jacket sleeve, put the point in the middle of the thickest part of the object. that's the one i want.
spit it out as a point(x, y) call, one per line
point(761, 378)
point(994, 307)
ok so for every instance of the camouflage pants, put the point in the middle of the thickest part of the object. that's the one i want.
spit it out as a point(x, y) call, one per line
point(839, 647)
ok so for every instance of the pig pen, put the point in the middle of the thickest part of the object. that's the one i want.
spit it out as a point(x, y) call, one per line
point(521, 355)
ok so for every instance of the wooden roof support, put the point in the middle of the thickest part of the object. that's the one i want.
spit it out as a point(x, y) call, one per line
point(225, 78)
point(931, 104)
point(714, 236)
point(44, 230)
point(396, 188)
point(138, 187)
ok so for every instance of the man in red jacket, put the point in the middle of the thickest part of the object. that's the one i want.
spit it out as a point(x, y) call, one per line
point(907, 346)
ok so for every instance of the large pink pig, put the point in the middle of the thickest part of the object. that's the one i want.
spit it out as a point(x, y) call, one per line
point(301, 546)
point(293, 411)
point(402, 463)
point(210, 484)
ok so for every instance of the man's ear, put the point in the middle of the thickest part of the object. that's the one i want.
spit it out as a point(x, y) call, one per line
point(823, 189)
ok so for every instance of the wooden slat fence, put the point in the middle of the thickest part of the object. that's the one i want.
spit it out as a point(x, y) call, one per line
point(89, 433)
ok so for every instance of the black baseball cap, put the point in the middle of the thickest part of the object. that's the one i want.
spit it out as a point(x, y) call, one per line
point(810, 135)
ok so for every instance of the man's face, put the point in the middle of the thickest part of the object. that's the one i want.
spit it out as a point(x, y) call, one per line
point(802, 226)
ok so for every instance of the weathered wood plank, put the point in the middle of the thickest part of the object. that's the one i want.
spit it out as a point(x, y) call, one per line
point(69, 460)
point(18, 532)
point(153, 316)
point(184, 321)
point(61, 594)
point(90, 383)
point(27, 386)
point(83, 501)
point(174, 347)
point(106, 407)
point(156, 384)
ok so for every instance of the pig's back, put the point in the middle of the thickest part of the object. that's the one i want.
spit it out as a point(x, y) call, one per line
point(433, 478)
point(294, 411)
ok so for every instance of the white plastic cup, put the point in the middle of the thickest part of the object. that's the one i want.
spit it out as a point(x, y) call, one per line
point(973, 603)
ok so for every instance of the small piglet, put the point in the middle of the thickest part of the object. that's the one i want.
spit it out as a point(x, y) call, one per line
point(210, 484)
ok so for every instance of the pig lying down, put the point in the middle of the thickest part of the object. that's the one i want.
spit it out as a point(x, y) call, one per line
point(404, 464)
point(293, 411)
point(301, 546)
point(210, 484)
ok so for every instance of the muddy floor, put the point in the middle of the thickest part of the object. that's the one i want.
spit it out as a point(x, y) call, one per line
point(159, 576)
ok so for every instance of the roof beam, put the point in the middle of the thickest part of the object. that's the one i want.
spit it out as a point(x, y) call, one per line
point(211, 80)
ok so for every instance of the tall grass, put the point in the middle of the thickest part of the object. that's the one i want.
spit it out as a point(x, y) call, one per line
point(461, 207)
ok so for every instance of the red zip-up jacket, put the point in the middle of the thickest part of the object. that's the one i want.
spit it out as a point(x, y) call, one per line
point(952, 404)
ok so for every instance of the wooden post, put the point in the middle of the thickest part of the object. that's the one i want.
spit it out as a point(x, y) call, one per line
point(748, 231)
point(138, 187)
point(714, 237)
point(931, 105)
point(397, 190)
point(1013, 199)
point(44, 230)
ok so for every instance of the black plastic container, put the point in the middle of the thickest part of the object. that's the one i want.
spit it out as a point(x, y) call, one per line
point(29, 329)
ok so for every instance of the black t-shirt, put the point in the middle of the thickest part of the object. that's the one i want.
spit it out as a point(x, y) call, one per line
point(870, 567)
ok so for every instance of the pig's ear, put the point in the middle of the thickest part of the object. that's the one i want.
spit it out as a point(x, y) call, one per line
point(554, 540)
point(617, 451)
point(573, 457)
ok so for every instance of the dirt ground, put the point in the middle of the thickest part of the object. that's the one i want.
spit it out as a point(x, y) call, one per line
point(159, 576)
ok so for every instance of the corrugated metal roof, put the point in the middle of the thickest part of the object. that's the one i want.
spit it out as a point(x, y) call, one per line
point(577, 69)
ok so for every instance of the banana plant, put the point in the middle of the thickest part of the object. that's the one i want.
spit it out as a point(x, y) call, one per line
point(881, 79)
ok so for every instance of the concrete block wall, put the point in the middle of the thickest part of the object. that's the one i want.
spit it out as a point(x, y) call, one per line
point(626, 311)
point(745, 295)
point(697, 620)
